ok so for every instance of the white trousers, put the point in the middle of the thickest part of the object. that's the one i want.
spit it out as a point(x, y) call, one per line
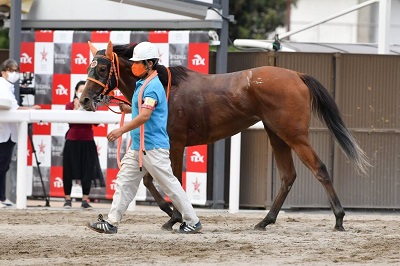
point(158, 164)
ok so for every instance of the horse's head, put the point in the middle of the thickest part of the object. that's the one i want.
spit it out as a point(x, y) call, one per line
point(102, 76)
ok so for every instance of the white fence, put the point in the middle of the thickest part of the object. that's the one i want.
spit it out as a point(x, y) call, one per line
point(23, 117)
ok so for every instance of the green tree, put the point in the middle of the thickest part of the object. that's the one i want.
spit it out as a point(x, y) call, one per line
point(256, 19)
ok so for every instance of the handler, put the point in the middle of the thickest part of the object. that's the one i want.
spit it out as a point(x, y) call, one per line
point(150, 143)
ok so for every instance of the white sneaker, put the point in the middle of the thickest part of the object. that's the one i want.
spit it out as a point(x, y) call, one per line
point(2, 205)
point(7, 203)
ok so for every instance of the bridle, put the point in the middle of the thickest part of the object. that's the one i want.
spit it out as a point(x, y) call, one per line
point(107, 96)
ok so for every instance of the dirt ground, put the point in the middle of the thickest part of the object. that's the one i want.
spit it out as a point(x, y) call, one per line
point(53, 236)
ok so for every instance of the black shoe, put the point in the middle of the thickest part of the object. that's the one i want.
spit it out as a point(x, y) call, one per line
point(189, 229)
point(102, 226)
point(67, 204)
point(85, 205)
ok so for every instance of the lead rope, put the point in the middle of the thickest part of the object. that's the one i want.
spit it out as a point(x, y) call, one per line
point(142, 149)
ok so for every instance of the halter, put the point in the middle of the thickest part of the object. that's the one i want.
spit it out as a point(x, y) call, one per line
point(112, 64)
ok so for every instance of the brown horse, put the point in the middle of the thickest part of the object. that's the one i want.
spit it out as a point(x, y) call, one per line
point(206, 108)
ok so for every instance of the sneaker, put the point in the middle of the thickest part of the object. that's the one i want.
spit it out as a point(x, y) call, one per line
point(7, 203)
point(85, 205)
point(102, 226)
point(189, 229)
point(67, 204)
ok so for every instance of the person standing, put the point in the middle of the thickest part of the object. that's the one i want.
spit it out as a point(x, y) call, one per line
point(8, 131)
point(80, 157)
point(150, 96)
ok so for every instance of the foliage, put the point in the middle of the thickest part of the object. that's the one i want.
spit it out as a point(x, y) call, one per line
point(4, 39)
point(256, 19)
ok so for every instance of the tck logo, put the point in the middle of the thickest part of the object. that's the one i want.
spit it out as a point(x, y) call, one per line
point(58, 182)
point(198, 60)
point(112, 185)
point(61, 90)
point(80, 59)
point(196, 157)
point(25, 59)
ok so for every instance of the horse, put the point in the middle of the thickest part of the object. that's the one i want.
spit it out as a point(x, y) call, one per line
point(205, 108)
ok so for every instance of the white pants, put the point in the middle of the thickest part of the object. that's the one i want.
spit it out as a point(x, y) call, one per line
point(158, 164)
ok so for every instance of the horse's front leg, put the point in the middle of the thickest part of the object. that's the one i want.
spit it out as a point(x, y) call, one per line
point(176, 155)
point(162, 203)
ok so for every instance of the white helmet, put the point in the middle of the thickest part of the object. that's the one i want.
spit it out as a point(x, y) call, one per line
point(144, 51)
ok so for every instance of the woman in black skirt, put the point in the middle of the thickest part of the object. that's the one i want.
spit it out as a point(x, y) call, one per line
point(80, 158)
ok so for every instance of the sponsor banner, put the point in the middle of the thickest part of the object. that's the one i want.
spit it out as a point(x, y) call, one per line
point(198, 37)
point(101, 145)
point(40, 174)
point(81, 37)
point(111, 177)
point(63, 36)
point(44, 36)
point(44, 58)
point(178, 55)
point(80, 58)
point(60, 90)
point(100, 130)
point(42, 146)
point(59, 59)
point(29, 181)
point(62, 58)
point(120, 37)
point(56, 182)
point(43, 89)
point(139, 36)
point(196, 187)
point(112, 153)
point(42, 128)
point(28, 36)
point(27, 57)
point(100, 36)
point(29, 151)
point(163, 51)
point(158, 36)
point(181, 37)
point(196, 159)
point(57, 146)
point(198, 57)
point(59, 129)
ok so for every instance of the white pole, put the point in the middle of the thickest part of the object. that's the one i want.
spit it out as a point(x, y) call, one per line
point(384, 26)
point(234, 183)
point(315, 23)
point(22, 164)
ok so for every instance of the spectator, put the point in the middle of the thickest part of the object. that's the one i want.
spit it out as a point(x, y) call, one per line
point(8, 131)
point(80, 157)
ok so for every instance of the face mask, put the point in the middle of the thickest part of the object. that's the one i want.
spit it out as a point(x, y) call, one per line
point(79, 95)
point(13, 76)
point(138, 70)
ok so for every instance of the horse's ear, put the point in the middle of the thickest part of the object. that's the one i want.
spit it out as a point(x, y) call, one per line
point(109, 51)
point(92, 48)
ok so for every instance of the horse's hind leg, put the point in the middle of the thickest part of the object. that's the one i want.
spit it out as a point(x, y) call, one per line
point(308, 156)
point(162, 203)
point(284, 162)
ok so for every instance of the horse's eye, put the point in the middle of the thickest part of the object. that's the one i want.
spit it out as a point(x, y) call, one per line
point(102, 71)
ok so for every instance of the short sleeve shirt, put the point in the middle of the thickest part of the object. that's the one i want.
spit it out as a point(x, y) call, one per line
point(155, 129)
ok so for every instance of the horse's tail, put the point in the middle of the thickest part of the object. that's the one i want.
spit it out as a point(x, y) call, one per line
point(324, 106)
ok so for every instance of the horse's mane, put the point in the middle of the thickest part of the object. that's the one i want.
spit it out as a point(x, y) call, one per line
point(178, 73)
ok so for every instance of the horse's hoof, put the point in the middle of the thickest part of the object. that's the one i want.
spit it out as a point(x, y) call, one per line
point(339, 228)
point(259, 227)
point(167, 227)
